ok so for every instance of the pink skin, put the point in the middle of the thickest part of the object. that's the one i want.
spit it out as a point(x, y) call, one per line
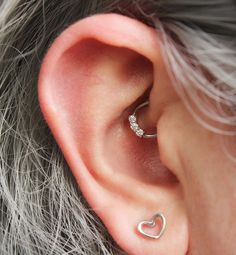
point(90, 80)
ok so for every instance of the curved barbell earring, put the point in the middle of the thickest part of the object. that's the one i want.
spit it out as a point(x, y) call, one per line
point(135, 126)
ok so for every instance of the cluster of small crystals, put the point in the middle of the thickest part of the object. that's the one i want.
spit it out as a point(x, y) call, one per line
point(134, 126)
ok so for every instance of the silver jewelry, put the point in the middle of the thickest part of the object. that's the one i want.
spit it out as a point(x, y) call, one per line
point(135, 126)
point(151, 224)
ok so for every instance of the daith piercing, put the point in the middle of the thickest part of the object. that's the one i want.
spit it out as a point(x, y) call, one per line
point(135, 126)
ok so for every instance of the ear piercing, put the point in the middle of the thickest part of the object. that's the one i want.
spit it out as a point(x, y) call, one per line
point(158, 218)
point(135, 126)
point(151, 224)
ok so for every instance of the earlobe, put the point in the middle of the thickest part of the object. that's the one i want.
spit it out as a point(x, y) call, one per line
point(94, 75)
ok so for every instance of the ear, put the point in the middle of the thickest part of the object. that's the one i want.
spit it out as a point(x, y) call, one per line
point(91, 79)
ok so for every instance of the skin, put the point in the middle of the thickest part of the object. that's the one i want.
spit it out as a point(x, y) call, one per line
point(94, 75)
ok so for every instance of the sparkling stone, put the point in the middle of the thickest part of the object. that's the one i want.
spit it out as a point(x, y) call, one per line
point(132, 119)
point(134, 126)
point(140, 132)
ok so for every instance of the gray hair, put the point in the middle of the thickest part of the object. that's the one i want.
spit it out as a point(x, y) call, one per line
point(42, 210)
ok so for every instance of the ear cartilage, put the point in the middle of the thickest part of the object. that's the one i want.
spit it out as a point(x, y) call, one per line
point(135, 126)
point(151, 224)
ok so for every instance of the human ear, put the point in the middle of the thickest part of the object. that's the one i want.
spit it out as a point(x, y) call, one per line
point(92, 77)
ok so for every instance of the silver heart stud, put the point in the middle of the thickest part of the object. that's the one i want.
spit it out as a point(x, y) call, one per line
point(151, 224)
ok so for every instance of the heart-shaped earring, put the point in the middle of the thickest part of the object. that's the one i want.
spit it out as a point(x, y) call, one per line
point(152, 224)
